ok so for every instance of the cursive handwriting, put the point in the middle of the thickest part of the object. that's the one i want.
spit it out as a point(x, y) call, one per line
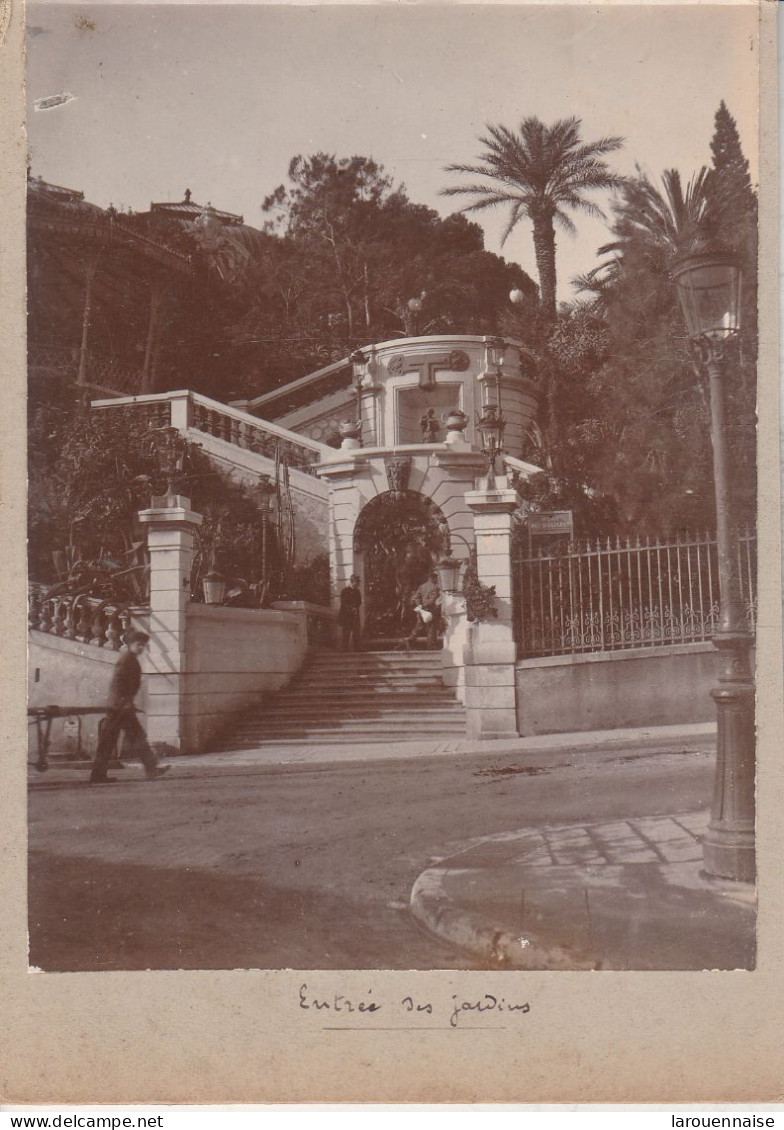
point(486, 1003)
point(336, 1003)
point(339, 1003)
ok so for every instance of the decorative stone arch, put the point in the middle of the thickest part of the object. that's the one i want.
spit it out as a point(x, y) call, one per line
point(385, 504)
point(398, 537)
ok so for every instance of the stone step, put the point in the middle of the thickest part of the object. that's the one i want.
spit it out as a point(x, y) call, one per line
point(347, 693)
point(344, 737)
point(414, 688)
point(446, 711)
point(355, 722)
point(357, 697)
point(350, 721)
point(380, 678)
point(331, 739)
point(367, 663)
point(363, 664)
point(426, 655)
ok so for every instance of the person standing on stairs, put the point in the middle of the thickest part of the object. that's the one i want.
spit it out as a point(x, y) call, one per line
point(348, 616)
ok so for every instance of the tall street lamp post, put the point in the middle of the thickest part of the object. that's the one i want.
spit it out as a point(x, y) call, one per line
point(709, 286)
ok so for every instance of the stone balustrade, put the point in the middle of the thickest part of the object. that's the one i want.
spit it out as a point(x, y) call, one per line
point(89, 620)
point(190, 411)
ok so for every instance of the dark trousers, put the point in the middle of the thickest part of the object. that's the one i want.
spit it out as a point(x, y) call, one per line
point(350, 630)
point(122, 720)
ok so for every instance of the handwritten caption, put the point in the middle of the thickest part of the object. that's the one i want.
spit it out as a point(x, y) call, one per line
point(332, 1005)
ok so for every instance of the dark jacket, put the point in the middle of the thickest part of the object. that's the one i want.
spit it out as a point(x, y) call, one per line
point(126, 680)
point(350, 600)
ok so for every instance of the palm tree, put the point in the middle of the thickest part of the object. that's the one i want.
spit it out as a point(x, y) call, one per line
point(652, 226)
point(540, 172)
point(663, 222)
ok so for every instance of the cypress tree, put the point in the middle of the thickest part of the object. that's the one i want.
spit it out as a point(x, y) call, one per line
point(733, 203)
point(729, 188)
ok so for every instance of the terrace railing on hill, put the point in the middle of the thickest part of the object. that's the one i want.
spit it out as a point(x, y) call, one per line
point(191, 410)
point(609, 595)
point(102, 372)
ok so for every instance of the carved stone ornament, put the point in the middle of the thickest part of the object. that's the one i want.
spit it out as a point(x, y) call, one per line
point(398, 468)
point(459, 361)
point(396, 363)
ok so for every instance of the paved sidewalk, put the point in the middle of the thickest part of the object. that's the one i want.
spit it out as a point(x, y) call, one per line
point(596, 742)
point(626, 894)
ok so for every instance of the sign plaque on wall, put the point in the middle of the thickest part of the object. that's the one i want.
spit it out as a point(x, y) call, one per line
point(551, 522)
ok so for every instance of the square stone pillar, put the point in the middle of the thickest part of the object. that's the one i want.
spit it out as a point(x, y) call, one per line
point(170, 532)
point(457, 634)
point(491, 700)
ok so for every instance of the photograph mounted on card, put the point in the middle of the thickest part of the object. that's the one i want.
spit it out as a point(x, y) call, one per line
point(397, 630)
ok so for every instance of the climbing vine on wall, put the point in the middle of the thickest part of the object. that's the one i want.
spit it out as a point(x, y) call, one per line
point(480, 599)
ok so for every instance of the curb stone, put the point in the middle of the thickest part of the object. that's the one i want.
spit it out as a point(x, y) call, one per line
point(430, 907)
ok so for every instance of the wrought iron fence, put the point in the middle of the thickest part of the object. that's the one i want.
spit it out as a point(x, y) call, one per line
point(610, 594)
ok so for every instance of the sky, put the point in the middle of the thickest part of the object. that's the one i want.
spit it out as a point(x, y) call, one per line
point(219, 98)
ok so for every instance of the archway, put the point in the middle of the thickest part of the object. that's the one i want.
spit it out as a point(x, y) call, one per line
point(400, 535)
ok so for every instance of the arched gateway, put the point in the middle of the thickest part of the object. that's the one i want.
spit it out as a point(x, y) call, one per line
point(398, 538)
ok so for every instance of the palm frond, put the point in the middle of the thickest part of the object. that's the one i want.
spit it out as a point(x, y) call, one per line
point(539, 171)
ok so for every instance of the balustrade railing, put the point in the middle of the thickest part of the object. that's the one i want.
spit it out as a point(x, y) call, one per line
point(254, 435)
point(231, 425)
point(154, 409)
point(82, 618)
point(610, 594)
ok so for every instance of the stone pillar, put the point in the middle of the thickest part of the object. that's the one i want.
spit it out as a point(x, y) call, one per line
point(170, 531)
point(491, 701)
point(457, 633)
point(180, 411)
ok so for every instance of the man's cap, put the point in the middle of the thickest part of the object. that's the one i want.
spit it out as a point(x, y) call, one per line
point(137, 637)
point(354, 577)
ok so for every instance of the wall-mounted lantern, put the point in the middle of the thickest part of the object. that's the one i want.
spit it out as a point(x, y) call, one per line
point(448, 569)
point(214, 586)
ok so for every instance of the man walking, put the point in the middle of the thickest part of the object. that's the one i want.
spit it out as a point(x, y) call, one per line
point(121, 716)
point(427, 608)
point(348, 616)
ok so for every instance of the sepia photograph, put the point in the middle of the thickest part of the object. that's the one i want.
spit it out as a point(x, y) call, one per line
point(392, 490)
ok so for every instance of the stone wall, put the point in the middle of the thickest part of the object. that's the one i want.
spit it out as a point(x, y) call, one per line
point(234, 657)
point(616, 689)
point(63, 672)
point(309, 495)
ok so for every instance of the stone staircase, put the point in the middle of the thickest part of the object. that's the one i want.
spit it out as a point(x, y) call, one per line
point(371, 696)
